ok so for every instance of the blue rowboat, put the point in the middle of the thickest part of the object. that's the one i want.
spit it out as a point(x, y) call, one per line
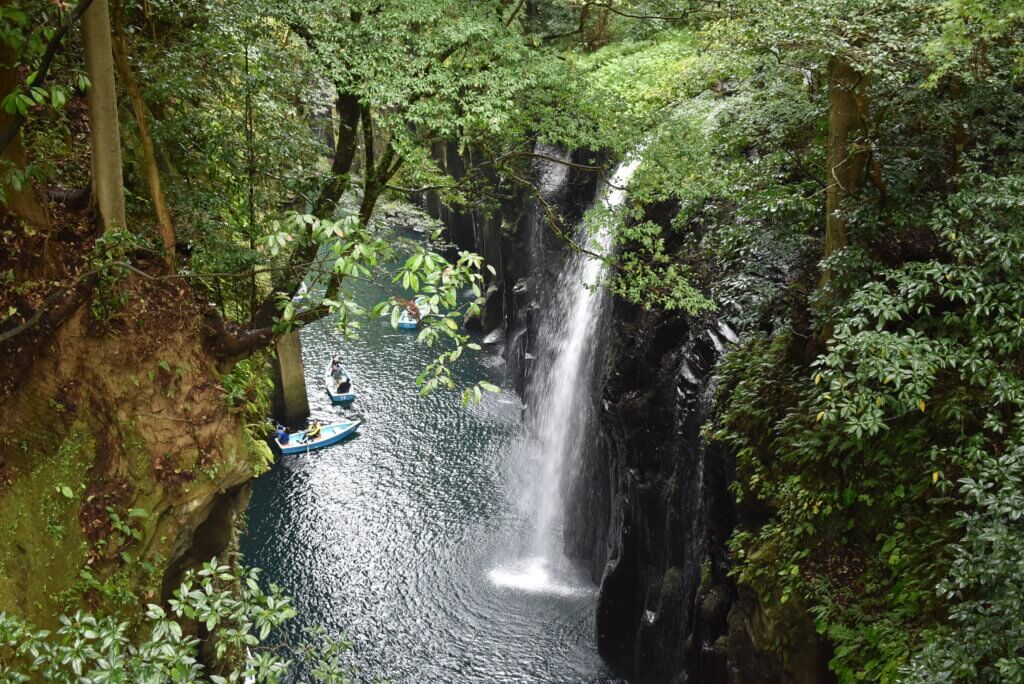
point(407, 321)
point(329, 434)
point(339, 397)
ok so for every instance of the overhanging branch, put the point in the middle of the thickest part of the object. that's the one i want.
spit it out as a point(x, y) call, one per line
point(44, 67)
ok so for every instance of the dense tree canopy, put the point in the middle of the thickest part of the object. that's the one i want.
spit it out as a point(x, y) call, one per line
point(841, 179)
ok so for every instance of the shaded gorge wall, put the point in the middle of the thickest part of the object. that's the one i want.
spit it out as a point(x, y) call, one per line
point(652, 511)
point(514, 238)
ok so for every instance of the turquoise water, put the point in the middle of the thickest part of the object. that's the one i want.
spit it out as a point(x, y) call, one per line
point(405, 538)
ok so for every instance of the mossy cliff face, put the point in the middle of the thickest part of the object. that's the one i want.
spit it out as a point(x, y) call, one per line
point(120, 463)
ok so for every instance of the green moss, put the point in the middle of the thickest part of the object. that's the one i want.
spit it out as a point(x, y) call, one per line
point(705, 576)
point(262, 456)
point(137, 456)
point(117, 592)
point(42, 546)
point(51, 456)
point(672, 581)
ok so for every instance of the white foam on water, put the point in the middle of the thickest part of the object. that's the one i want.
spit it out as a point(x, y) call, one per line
point(532, 576)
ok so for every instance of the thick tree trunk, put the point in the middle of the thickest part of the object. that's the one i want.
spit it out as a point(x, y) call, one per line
point(371, 193)
point(163, 214)
point(377, 174)
point(289, 280)
point(107, 175)
point(847, 152)
point(20, 202)
point(344, 154)
point(594, 25)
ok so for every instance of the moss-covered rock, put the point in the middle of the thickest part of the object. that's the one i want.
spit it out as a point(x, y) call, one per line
point(117, 446)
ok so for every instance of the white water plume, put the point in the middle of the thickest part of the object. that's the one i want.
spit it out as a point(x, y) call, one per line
point(560, 417)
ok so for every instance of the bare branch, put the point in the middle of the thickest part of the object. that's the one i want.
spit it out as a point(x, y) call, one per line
point(600, 170)
point(658, 17)
point(511, 17)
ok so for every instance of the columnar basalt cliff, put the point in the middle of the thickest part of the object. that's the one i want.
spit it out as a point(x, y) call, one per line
point(664, 597)
point(516, 240)
point(653, 509)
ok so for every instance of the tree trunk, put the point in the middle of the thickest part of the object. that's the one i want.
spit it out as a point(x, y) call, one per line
point(21, 202)
point(847, 153)
point(163, 214)
point(594, 22)
point(107, 175)
point(377, 173)
point(290, 279)
point(344, 154)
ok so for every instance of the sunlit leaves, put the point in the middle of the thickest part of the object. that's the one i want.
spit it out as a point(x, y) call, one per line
point(229, 602)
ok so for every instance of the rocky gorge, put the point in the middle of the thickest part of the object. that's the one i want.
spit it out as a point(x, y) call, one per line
point(650, 506)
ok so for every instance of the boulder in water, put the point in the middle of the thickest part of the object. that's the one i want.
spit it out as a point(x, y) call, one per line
point(494, 337)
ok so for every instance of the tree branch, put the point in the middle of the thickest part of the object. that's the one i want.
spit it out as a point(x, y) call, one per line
point(55, 307)
point(369, 152)
point(600, 170)
point(629, 15)
point(44, 67)
point(608, 6)
point(511, 17)
point(545, 157)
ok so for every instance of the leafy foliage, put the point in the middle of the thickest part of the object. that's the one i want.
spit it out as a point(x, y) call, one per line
point(886, 463)
point(875, 417)
point(229, 603)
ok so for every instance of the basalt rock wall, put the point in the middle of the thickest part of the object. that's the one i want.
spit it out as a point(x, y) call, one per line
point(651, 511)
point(515, 237)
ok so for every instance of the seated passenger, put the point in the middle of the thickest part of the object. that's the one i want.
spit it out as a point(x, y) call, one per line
point(282, 435)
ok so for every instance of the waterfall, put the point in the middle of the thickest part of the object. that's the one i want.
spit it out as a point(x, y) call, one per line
point(560, 413)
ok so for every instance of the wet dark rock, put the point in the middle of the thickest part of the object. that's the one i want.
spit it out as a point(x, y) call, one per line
point(667, 609)
point(496, 336)
point(493, 314)
point(515, 239)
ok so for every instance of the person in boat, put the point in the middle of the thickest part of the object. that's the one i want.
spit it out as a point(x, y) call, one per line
point(313, 433)
point(282, 435)
point(340, 378)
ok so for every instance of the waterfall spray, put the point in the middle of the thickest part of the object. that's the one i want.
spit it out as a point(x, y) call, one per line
point(560, 417)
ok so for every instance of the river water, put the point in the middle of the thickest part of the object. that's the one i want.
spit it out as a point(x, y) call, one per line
point(402, 537)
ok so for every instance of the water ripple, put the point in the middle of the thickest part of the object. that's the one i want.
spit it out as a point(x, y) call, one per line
point(397, 537)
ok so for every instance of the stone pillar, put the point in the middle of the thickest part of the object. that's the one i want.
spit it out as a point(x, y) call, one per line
point(290, 405)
